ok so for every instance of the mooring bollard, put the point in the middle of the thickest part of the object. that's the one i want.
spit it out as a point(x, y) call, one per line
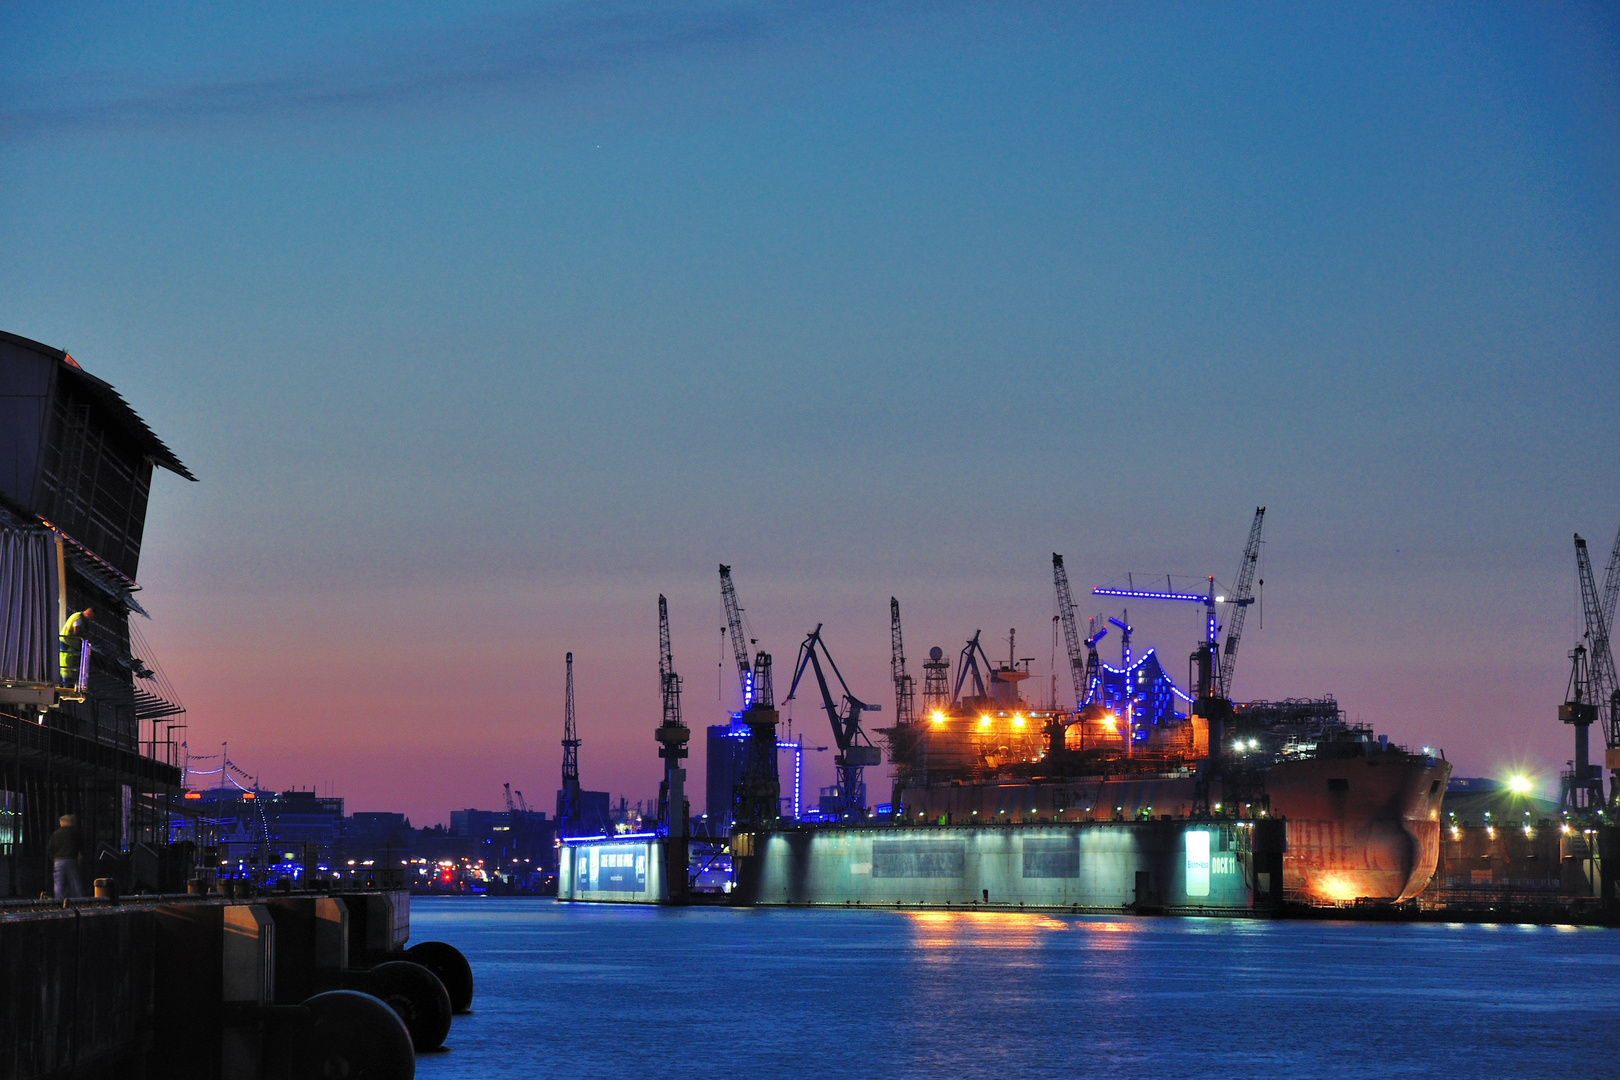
point(106, 889)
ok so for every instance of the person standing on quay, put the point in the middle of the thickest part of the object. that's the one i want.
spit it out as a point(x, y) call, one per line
point(66, 848)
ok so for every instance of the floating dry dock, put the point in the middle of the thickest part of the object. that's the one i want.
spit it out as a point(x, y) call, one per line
point(1213, 867)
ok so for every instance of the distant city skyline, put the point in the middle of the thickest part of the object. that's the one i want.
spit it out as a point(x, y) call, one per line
point(483, 324)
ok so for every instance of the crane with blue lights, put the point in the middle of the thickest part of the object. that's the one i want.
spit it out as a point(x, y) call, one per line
point(756, 798)
point(855, 750)
point(1205, 656)
point(739, 637)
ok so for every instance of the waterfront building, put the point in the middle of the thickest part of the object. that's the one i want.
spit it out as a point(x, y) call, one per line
point(92, 728)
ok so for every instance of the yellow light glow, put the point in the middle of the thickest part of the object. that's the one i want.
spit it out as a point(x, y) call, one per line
point(1519, 785)
point(939, 718)
point(1018, 719)
point(984, 721)
point(1334, 887)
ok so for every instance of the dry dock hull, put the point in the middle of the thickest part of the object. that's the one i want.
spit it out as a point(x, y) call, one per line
point(1357, 827)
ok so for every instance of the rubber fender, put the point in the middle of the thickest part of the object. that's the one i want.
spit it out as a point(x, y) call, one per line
point(417, 995)
point(355, 1036)
point(450, 966)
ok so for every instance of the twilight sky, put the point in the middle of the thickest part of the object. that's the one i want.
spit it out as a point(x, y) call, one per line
point(481, 325)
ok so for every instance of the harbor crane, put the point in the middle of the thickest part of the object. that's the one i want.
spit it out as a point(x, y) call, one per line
point(1125, 630)
point(905, 690)
point(855, 750)
point(740, 641)
point(569, 809)
point(1071, 633)
point(1598, 610)
point(672, 736)
point(756, 798)
point(1237, 605)
point(1582, 785)
point(969, 665)
point(1093, 661)
point(674, 815)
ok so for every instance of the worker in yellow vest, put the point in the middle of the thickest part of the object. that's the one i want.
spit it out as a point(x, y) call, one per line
point(71, 638)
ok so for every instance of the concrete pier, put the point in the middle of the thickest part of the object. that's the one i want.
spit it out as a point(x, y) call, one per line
point(176, 986)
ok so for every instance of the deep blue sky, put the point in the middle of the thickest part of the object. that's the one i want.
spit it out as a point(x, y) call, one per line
point(483, 324)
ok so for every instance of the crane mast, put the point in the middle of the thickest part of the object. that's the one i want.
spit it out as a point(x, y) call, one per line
point(569, 810)
point(1071, 632)
point(1606, 605)
point(739, 637)
point(672, 735)
point(905, 691)
point(1600, 658)
point(1237, 605)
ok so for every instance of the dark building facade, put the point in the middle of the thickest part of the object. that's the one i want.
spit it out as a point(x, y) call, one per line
point(76, 466)
point(727, 755)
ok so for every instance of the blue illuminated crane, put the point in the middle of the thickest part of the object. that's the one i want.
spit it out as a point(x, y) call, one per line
point(756, 798)
point(1093, 663)
point(739, 637)
point(1206, 651)
point(855, 750)
point(1125, 628)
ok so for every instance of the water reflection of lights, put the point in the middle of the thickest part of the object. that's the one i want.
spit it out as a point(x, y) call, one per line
point(981, 929)
point(1010, 930)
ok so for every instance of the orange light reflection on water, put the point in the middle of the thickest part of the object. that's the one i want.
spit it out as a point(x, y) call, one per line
point(1006, 929)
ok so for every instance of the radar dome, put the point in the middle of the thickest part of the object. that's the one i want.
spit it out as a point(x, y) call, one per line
point(935, 653)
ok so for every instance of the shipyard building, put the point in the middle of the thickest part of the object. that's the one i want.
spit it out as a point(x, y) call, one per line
point(87, 722)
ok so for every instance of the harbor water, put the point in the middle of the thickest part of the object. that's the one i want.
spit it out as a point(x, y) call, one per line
point(588, 990)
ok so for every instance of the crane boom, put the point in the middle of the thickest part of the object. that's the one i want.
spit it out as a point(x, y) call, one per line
point(905, 691)
point(1600, 656)
point(1071, 631)
point(1237, 604)
point(739, 638)
point(1611, 586)
point(669, 683)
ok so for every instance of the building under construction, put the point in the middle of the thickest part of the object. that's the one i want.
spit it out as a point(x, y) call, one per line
point(87, 722)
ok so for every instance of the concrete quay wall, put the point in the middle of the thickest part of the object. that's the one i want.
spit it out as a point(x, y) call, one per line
point(1141, 865)
point(148, 988)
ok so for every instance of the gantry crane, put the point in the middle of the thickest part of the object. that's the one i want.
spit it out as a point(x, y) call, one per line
point(855, 750)
point(569, 810)
point(1237, 605)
